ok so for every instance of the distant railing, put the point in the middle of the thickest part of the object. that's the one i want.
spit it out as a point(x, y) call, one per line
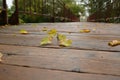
point(108, 13)
point(54, 9)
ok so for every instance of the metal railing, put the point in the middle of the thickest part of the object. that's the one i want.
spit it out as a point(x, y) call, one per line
point(54, 9)
point(50, 8)
point(108, 12)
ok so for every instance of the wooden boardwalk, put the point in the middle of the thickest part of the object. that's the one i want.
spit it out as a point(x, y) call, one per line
point(89, 57)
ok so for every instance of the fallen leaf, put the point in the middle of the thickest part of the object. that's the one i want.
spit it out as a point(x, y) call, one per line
point(1, 56)
point(114, 43)
point(61, 37)
point(65, 42)
point(84, 31)
point(46, 40)
point(52, 32)
point(23, 31)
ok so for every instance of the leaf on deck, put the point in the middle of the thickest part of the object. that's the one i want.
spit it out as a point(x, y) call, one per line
point(52, 32)
point(63, 41)
point(61, 36)
point(23, 31)
point(46, 40)
point(85, 31)
point(114, 43)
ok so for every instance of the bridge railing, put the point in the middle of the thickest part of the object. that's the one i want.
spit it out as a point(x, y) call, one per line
point(108, 13)
point(54, 9)
point(3, 13)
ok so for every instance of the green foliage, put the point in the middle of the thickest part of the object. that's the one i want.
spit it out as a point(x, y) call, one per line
point(34, 6)
point(0, 3)
point(21, 21)
point(76, 9)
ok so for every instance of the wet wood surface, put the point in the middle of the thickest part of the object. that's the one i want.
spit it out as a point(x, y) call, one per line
point(89, 57)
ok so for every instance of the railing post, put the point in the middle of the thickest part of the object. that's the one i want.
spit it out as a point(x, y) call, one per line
point(53, 11)
point(14, 19)
point(4, 13)
point(16, 11)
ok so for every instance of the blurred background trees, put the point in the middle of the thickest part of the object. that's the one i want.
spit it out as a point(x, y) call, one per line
point(75, 8)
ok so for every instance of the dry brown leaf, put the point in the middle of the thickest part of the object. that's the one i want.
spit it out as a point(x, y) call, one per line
point(114, 43)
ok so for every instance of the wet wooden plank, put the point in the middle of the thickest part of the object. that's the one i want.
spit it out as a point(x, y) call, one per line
point(97, 62)
point(8, 72)
point(79, 42)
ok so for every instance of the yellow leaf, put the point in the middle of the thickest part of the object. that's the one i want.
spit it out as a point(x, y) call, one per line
point(1, 56)
point(65, 43)
point(114, 43)
point(46, 40)
point(52, 32)
point(23, 31)
point(61, 36)
point(84, 31)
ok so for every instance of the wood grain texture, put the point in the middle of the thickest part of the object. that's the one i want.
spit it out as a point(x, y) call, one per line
point(89, 57)
point(62, 59)
point(22, 73)
point(79, 42)
point(96, 28)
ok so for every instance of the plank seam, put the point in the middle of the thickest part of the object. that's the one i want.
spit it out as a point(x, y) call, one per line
point(59, 69)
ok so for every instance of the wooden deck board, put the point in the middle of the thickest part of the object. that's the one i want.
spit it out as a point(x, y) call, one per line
point(23, 73)
point(89, 57)
point(103, 29)
point(63, 59)
point(79, 42)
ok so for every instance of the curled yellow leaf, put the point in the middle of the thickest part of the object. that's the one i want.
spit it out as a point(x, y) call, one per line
point(114, 43)
point(85, 31)
point(23, 31)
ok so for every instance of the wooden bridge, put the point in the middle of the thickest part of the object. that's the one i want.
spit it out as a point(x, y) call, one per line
point(88, 58)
